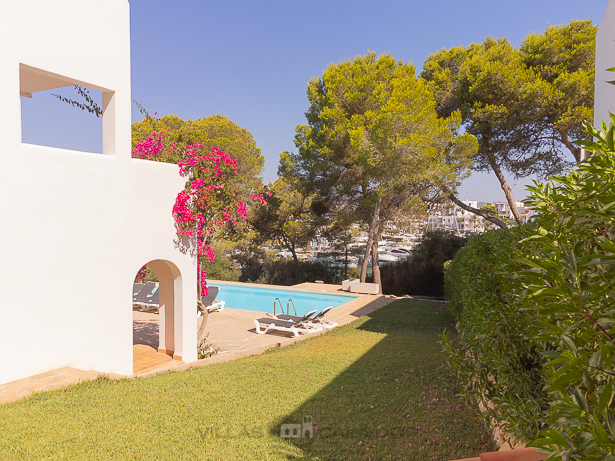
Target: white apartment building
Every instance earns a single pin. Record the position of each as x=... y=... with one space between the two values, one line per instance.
x=456 y=219
x=504 y=210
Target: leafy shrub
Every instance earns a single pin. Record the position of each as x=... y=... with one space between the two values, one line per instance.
x=474 y=277
x=569 y=293
x=206 y=349
x=495 y=354
x=221 y=268
x=149 y=277
x=353 y=273
x=289 y=272
x=553 y=325
x=423 y=272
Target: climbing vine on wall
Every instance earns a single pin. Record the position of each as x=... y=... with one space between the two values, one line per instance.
x=210 y=199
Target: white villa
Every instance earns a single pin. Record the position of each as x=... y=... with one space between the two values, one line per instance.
x=75 y=227
x=68 y=217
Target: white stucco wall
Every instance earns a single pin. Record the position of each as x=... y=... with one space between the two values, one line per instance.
x=75 y=227
x=604 y=95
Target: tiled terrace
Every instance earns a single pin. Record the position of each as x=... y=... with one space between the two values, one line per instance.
x=231 y=330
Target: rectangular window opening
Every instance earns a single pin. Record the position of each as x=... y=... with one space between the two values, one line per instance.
x=60 y=112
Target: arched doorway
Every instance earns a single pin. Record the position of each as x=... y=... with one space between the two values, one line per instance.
x=155 y=306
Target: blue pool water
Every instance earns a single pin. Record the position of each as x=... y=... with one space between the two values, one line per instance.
x=255 y=298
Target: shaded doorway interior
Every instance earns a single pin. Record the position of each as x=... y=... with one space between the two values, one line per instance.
x=153 y=311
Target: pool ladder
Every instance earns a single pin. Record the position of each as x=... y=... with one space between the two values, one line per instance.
x=288 y=304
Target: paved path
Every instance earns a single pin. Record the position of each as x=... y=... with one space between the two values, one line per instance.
x=231 y=330
x=44 y=382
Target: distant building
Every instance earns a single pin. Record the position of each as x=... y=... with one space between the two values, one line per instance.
x=525 y=212
x=456 y=219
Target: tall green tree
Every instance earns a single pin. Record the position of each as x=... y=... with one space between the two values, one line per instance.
x=525 y=106
x=564 y=58
x=374 y=143
x=287 y=219
x=215 y=130
x=164 y=135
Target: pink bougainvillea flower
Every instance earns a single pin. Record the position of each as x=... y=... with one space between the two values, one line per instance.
x=209 y=199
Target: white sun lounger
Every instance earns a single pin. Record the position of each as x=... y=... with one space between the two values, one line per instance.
x=322 y=321
x=293 y=326
x=210 y=301
x=147 y=298
x=318 y=321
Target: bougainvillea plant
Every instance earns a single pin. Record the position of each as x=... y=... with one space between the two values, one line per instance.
x=211 y=197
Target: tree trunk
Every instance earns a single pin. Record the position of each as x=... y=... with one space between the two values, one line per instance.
x=199 y=266
x=370 y=239
x=476 y=211
x=505 y=187
x=577 y=152
x=375 y=265
x=200 y=334
x=346 y=263
x=291 y=247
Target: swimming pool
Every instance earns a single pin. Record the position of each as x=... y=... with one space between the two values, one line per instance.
x=255 y=298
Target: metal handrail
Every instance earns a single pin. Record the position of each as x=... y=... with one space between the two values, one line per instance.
x=290 y=301
x=281 y=308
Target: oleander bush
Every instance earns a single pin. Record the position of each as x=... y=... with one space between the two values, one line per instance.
x=554 y=323
x=569 y=288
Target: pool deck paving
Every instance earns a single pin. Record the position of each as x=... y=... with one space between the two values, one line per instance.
x=232 y=331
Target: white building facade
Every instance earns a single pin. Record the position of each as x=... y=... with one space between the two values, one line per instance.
x=75 y=226
x=604 y=93
x=456 y=219
x=504 y=211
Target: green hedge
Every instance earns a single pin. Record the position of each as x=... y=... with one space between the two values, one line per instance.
x=422 y=273
x=496 y=355
x=290 y=272
x=475 y=277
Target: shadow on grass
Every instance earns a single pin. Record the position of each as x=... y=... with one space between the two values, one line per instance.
x=397 y=401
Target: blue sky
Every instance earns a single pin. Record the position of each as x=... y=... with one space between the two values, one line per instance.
x=251 y=60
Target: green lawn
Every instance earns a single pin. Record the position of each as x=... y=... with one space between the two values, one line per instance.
x=376 y=389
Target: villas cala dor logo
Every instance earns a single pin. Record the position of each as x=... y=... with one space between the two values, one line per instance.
x=298 y=431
